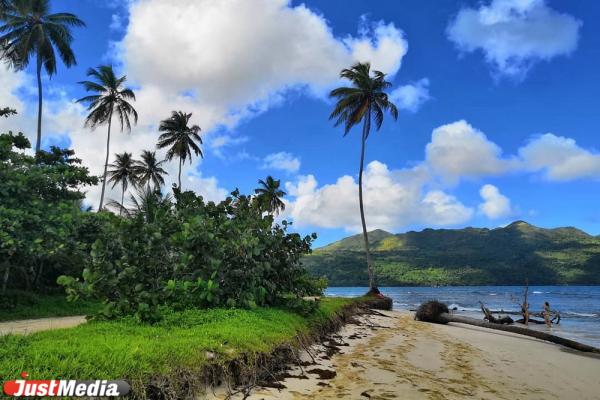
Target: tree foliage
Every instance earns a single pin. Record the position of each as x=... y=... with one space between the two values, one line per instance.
x=191 y=253
x=43 y=232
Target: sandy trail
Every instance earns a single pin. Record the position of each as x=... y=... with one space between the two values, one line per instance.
x=27 y=326
x=398 y=358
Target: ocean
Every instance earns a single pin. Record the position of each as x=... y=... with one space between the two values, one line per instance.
x=579 y=306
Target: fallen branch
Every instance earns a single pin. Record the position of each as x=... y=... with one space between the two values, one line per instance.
x=437 y=312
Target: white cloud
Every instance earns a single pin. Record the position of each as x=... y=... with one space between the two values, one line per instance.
x=560 y=158
x=412 y=96
x=458 y=150
x=393 y=198
x=282 y=161
x=236 y=66
x=514 y=34
x=495 y=205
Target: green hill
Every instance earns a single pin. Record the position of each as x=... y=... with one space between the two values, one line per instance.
x=470 y=256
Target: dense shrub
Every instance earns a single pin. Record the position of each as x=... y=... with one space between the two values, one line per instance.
x=43 y=231
x=193 y=254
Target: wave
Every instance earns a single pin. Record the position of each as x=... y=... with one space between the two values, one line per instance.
x=577 y=314
x=537 y=292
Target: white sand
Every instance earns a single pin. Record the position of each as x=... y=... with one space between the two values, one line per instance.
x=416 y=360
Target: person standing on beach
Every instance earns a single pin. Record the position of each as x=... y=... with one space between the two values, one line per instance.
x=547 y=313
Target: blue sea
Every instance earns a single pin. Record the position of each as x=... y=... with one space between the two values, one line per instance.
x=579 y=306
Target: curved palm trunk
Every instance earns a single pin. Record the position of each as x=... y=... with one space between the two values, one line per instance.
x=519 y=330
x=179 y=176
x=366 y=128
x=38 y=143
x=105 y=163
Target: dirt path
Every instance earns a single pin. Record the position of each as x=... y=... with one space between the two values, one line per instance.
x=26 y=326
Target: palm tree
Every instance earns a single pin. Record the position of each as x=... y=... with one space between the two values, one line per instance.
x=111 y=98
x=151 y=205
x=365 y=99
x=31 y=31
x=123 y=172
x=269 y=195
x=149 y=169
x=179 y=138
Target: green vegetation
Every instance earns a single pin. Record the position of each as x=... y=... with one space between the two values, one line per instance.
x=180 y=347
x=471 y=256
x=366 y=99
x=17 y=304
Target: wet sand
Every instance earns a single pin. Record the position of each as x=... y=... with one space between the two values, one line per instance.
x=395 y=357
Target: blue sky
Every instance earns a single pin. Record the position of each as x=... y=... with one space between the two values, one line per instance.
x=508 y=86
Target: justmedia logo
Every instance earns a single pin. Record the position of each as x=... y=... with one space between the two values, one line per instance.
x=65 y=388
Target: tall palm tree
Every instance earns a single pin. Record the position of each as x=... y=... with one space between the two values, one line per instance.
x=269 y=195
x=123 y=172
x=149 y=169
x=31 y=31
x=111 y=98
x=179 y=138
x=364 y=100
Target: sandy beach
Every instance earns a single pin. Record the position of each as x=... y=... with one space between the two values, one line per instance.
x=392 y=356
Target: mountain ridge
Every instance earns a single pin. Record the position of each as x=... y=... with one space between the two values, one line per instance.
x=470 y=256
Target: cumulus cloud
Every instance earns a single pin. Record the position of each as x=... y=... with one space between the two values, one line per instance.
x=495 y=205
x=282 y=161
x=412 y=96
x=560 y=158
x=238 y=66
x=514 y=34
x=458 y=150
x=392 y=198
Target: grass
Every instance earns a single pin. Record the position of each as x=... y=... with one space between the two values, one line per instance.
x=181 y=342
x=16 y=305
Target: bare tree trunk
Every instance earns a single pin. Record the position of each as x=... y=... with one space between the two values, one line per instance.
x=122 y=200
x=445 y=318
x=5 y=278
x=366 y=128
x=38 y=143
x=179 y=173
x=105 y=163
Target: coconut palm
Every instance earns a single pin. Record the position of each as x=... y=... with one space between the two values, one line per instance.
x=269 y=195
x=149 y=169
x=151 y=205
x=110 y=98
x=123 y=172
x=29 y=31
x=179 y=138
x=366 y=99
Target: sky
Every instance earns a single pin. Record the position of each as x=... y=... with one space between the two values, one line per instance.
x=498 y=104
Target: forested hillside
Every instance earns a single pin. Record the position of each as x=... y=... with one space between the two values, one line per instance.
x=470 y=256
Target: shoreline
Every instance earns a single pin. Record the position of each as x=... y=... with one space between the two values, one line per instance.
x=392 y=356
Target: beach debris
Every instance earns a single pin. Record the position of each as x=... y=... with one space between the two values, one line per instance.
x=490 y=318
x=322 y=373
x=437 y=312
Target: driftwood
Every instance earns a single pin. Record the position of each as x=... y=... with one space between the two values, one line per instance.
x=490 y=318
x=437 y=312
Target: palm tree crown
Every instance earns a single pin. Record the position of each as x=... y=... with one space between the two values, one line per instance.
x=30 y=30
x=269 y=195
x=110 y=98
x=149 y=169
x=180 y=138
x=366 y=99
x=123 y=172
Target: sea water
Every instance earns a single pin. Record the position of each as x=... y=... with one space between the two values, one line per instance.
x=579 y=306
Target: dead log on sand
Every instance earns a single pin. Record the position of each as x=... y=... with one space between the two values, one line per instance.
x=437 y=312
x=490 y=318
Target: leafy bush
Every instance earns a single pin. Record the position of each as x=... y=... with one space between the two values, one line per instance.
x=193 y=254
x=43 y=231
